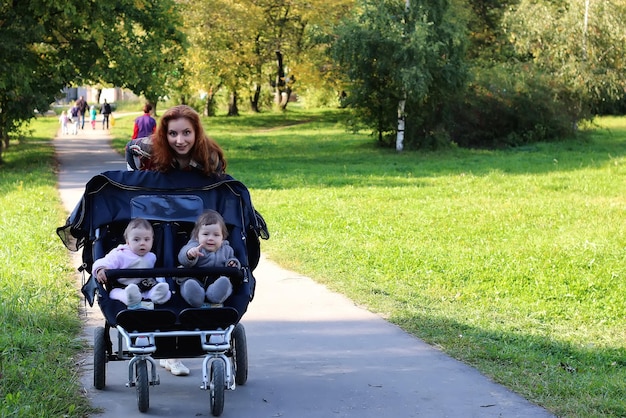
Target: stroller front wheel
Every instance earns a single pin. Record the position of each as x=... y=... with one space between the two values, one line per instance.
x=217 y=386
x=143 y=394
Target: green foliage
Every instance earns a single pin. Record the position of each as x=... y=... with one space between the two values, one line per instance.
x=508 y=106
x=389 y=54
x=580 y=43
x=50 y=45
x=142 y=44
x=234 y=44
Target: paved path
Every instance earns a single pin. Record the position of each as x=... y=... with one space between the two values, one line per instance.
x=312 y=353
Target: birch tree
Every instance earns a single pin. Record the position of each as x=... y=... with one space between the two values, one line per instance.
x=392 y=54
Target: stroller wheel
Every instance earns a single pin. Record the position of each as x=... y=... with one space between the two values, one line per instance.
x=217 y=386
x=99 y=358
x=143 y=394
x=240 y=354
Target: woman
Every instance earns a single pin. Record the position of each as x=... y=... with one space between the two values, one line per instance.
x=178 y=143
x=145 y=124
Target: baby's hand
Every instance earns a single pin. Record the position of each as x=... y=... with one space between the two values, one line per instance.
x=101 y=275
x=194 y=252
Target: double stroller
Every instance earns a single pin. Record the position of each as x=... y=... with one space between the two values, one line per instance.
x=171 y=203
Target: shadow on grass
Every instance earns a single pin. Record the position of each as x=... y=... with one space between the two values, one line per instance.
x=546 y=371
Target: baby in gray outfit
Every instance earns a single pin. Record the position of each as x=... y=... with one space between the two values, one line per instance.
x=207 y=247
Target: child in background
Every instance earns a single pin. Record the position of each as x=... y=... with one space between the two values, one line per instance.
x=207 y=247
x=93 y=114
x=64 y=120
x=139 y=237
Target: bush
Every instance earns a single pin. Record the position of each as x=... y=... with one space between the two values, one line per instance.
x=500 y=109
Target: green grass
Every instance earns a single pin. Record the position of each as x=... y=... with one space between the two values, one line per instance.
x=512 y=261
x=38 y=298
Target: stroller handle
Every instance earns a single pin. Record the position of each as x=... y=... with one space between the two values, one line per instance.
x=231 y=272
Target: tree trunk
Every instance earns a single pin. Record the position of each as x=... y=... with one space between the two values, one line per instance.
x=401 y=122
x=209 y=104
x=284 y=98
x=233 y=110
x=5 y=141
x=280 y=95
x=254 y=100
x=401 y=103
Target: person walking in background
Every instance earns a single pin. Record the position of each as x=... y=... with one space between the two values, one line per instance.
x=93 y=114
x=74 y=112
x=82 y=109
x=105 y=109
x=64 y=120
x=145 y=125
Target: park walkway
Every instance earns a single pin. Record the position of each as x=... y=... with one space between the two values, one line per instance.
x=312 y=352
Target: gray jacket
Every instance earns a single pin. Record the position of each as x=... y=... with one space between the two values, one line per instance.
x=219 y=258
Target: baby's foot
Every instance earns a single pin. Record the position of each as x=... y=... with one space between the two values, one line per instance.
x=192 y=292
x=133 y=295
x=219 y=290
x=160 y=293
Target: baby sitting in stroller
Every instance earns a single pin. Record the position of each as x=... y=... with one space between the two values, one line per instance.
x=135 y=253
x=207 y=247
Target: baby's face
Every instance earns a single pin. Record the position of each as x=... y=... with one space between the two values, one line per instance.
x=140 y=240
x=210 y=237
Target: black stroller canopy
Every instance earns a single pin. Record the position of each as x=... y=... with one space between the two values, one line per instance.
x=118 y=196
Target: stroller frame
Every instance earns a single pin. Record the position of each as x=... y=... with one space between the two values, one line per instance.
x=171 y=330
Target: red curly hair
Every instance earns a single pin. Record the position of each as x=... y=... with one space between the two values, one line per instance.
x=205 y=150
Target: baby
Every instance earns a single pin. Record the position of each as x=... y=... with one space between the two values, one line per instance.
x=135 y=253
x=207 y=248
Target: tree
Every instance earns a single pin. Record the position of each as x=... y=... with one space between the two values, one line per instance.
x=35 y=52
x=48 y=45
x=390 y=53
x=222 y=47
x=140 y=47
x=581 y=44
x=233 y=44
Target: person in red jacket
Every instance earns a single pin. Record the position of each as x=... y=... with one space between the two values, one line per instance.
x=145 y=125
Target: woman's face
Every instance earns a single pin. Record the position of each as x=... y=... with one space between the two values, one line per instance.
x=181 y=136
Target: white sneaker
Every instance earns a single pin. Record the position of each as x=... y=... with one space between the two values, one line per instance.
x=163 y=363
x=177 y=368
